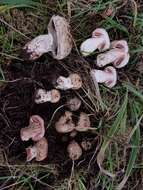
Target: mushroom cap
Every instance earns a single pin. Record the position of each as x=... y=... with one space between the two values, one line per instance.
x=31 y=152
x=86 y=145
x=40 y=96
x=35 y=130
x=60 y=29
x=122 y=61
x=74 y=150
x=76 y=81
x=74 y=103
x=120 y=44
x=65 y=123
x=83 y=123
x=42 y=149
x=102 y=33
x=113 y=79
x=55 y=96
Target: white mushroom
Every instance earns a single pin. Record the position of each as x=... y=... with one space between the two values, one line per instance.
x=38 y=151
x=74 y=82
x=108 y=76
x=65 y=123
x=42 y=96
x=118 y=55
x=58 y=41
x=99 y=40
x=74 y=150
x=35 y=130
x=74 y=103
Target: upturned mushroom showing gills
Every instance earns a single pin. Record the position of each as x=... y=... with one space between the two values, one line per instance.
x=43 y=96
x=108 y=76
x=99 y=40
x=74 y=104
x=58 y=41
x=74 y=150
x=38 y=151
x=35 y=130
x=83 y=123
x=74 y=82
x=65 y=123
x=118 y=55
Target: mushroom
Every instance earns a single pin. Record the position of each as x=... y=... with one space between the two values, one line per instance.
x=42 y=96
x=74 y=82
x=108 y=76
x=65 y=123
x=99 y=40
x=35 y=130
x=86 y=145
x=74 y=150
x=74 y=104
x=38 y=151
x=118 y=55
x=58 y=41
x=83 y=123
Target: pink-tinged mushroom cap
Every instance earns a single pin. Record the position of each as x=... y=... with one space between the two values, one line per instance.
x=99 y=40
x=108 y=76
x=65 y=123
x=118 y=55
x=74 y=150
x=38 y=151
x=35 y=130
x=58 y=41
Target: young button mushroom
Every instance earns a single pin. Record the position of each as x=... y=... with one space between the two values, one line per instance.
x=99 y=40
x=74 y=82
x=42 y=96
x=74 y=104
x=58 y=41
x=74 y=150
x=65 y=123
x=83 y=123
x=118 y=55
x=35 y=130
x=108 y=76
x=38 y=151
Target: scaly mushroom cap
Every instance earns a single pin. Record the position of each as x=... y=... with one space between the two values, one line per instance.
x=83 y=123
x=38 y=151
x=74 y=150
x=102 y=33
x=76 y=81
x=65 y=123
x=60 y=29
x=74 y=103
x=35 y=130
x=113 y=80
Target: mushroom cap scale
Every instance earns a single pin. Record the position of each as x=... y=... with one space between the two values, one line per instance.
x=74 y=150
x=35 y=130
x=60 y=29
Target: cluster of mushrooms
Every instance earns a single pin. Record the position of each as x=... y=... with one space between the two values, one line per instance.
x=58 y=42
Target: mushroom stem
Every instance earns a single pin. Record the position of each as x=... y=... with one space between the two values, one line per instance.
x=90 y=45
x=108 y=76
x=39 y=45
x=42 y=96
